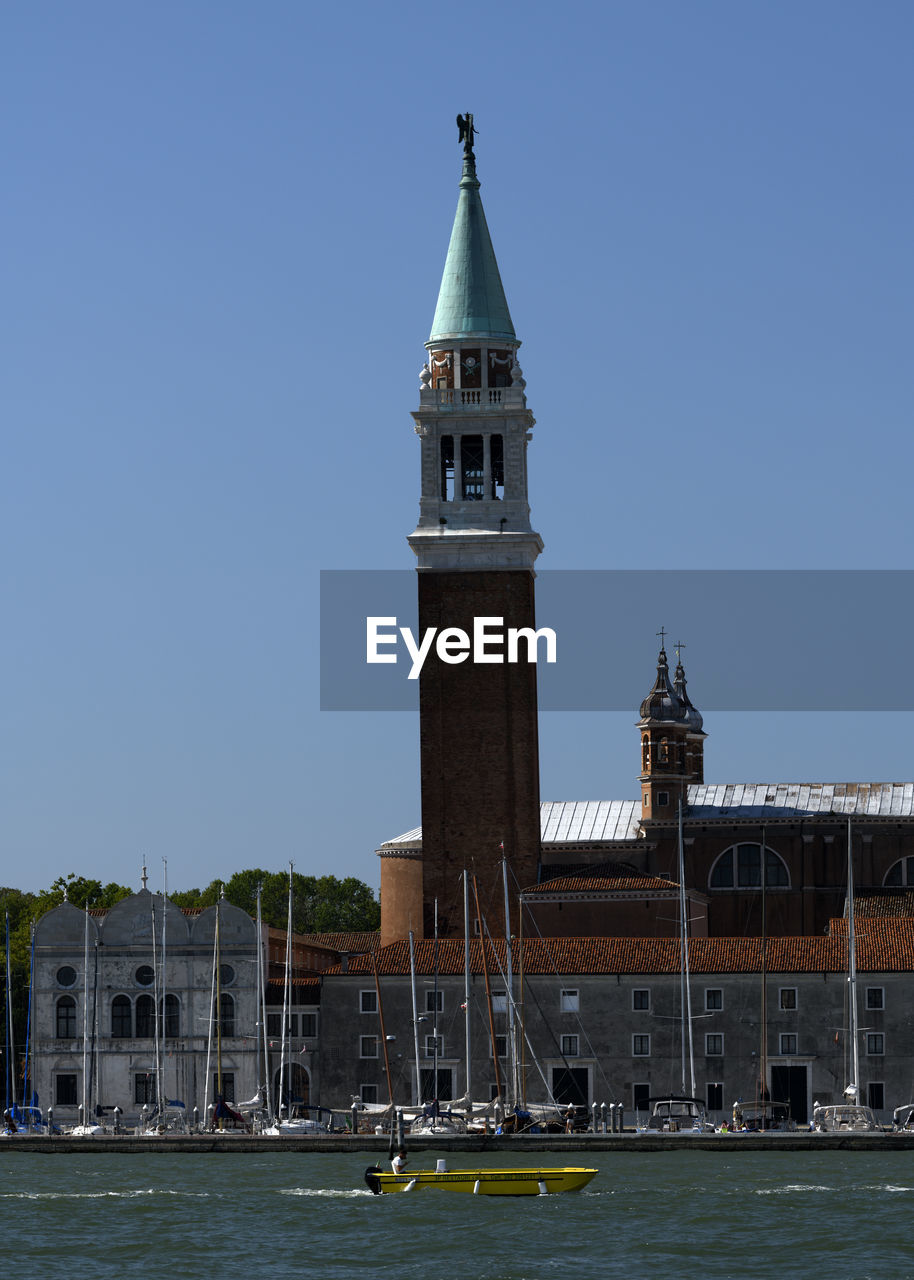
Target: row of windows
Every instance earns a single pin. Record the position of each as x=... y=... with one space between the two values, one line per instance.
x=787 y=998
x=434 y=1046
x=434 y=1001
x=138 y=1020
x=144 y=1088
x=569 y=1001
x=144 y=976
x=787 y=1045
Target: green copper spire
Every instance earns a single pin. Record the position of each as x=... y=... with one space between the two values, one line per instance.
x=471 y=301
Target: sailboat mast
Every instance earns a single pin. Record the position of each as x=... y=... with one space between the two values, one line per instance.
x=217 y=972
x=85 y=1089
x=466 y=983
x=8 y=1028
x=262 y=988
x=509 y=972
x=412 y=983
x=160 y=1084
x=685 y=992
x=485 y=975
x=852 y=966
x=377 y=987
x=763 y=1054
x=284 y=1041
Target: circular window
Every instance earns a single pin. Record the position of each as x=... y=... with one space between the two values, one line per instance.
x=226 y=975
x=145 y=976
x=66 y=976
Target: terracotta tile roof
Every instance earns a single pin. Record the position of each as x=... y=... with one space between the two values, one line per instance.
x=354 y=943
x=583 y=883
x=884 y=902
x=883 y=945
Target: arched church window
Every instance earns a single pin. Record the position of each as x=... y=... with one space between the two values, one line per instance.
x=66 y=1018
x=663 y=752
x=121 y=1017
x=900 y=873
x=645 y=752
x=740 y=867
x=145 y=1017
x=172 y=1016
x=227 y=1014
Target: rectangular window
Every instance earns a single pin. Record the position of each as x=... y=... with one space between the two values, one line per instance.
x=309 y=1024
x=434 y=1001
x=228 y=1085
x=875 y=1044
x=641 y=999
x=368 y=1046
x=368 y=1001
x=641 y=1046
x=65 y=1091
x=499 y=1002
x=714 y=999
x=715 y=1096
x=875 y=1095
x=714 y=1045
x=501 y=1046
x=274 y=1024
x=144 y=1088
x=66 y=1018
x=787 y=998
x=875 y=998
x=569 y=1046
x=493 y=1092
x=788 y=1043
x=433 y=1045
x=368 y=1093
x=568 y=1002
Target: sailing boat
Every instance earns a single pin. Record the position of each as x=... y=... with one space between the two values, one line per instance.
x=850 y=1114
x=290 y=1120
x=682 y=1112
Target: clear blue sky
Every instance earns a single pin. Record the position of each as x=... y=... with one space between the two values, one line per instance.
x=224 y=227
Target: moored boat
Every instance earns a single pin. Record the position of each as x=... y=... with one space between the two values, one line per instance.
x=844 y=1117
x=482 y=1182
x=677 y=1113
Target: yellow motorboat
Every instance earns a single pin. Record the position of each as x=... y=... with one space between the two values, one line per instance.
x=482 y=1182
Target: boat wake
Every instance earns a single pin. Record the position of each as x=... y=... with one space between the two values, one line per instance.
x=103 y=1195
x=328 y=1193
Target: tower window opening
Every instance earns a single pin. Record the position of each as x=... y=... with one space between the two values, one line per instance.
x=447 y=468
x=472 y=468
x=497 y=453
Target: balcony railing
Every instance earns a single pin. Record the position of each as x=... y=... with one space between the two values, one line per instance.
x=474 y=398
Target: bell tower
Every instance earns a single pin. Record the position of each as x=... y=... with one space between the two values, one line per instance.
x=672 y=744
x=475 y=551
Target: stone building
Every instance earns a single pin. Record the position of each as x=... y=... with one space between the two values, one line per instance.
x=603 y=1020
x=101 y=977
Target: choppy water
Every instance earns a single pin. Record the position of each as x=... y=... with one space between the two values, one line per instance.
x=830 y=1215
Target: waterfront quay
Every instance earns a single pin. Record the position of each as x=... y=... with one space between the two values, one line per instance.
x=581 y=1146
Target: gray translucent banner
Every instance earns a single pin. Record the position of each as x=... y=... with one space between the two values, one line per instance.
x=753 y=640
